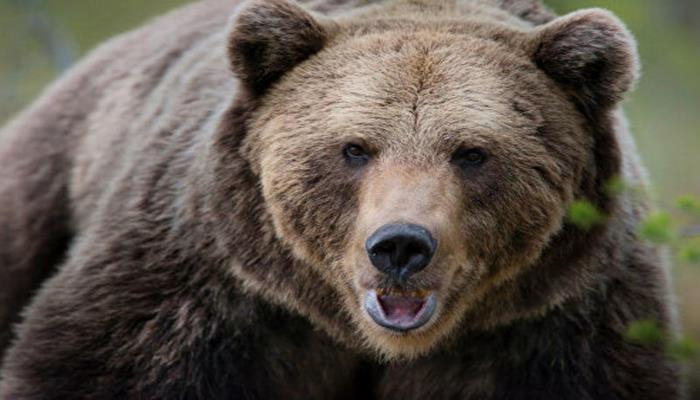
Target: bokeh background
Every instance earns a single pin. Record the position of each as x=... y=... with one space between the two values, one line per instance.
x=42 y=38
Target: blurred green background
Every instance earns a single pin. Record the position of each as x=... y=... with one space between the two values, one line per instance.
x=41 y=38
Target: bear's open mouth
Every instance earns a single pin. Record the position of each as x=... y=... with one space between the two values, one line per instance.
x=398 y=310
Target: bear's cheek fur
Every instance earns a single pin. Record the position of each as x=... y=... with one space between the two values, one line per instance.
x=312 y=199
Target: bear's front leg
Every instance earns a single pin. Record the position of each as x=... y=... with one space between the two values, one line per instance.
x=114 y=329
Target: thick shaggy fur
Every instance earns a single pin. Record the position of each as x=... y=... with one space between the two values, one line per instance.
x=185 y=191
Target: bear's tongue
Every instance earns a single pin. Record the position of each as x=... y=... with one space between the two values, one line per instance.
x=401 y=309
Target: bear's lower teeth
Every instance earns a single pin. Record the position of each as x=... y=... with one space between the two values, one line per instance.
x=402 y=293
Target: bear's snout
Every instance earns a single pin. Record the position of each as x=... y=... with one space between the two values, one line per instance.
x=400 y=250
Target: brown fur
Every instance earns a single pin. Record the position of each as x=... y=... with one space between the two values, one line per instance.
x=215 y=233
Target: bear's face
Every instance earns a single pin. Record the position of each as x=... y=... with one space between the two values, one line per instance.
x=417 y=169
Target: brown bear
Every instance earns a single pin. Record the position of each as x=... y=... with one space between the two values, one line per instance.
x=371 y=204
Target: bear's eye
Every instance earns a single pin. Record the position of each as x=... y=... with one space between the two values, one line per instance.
x=355 y=154
x=468 y=158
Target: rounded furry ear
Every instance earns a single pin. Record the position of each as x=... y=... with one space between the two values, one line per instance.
x=270 y=37
x=591 y=53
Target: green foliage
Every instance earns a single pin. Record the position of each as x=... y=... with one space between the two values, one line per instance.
x=684 y=349
x=657 y=228
x=584 y=214
x=690 y=251
x=615 y=186
x=645 y=332
x=689 y=204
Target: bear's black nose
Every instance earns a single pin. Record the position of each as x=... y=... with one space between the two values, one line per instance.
x=400 y=250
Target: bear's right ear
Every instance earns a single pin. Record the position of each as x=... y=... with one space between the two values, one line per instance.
x=269 y=38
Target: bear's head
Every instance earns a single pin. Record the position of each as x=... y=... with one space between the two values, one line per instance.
x=418 y=158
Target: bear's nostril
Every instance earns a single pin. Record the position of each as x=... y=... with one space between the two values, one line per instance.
x=412 y=252
x=387 y=247
x=400 y=250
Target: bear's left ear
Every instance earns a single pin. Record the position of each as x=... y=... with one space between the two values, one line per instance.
x=591 y=54
x=269 y=38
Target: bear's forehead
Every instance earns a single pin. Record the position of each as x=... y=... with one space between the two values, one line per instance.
x=421 y=83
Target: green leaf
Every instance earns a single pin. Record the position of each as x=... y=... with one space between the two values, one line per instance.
x=657 y=228
x=644 y=332
x=684 y=349
x=690 y=251
x=584 y=214
x=615 y=186
x=689 y=204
